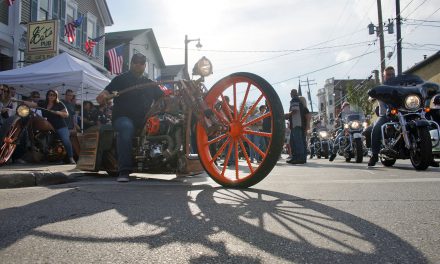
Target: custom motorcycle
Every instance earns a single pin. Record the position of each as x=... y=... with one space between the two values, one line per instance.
x=349 y=141
x=407 y=133
x=193 y=119
x=320 y=143
x=35 y=136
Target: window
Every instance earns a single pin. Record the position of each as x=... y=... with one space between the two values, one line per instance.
x=43 y=12
x=91 y=30
x=71 y=15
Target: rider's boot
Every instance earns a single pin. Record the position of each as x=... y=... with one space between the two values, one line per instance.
x=332 y=157
x=374 y=158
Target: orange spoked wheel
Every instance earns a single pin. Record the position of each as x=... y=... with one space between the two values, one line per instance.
x=10 y=141
x=245 y=152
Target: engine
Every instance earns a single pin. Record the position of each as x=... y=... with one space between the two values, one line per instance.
x=162 y=136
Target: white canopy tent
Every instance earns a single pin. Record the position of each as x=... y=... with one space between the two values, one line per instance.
x=59 y=73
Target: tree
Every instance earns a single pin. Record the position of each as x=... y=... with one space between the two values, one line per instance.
x=358 y=95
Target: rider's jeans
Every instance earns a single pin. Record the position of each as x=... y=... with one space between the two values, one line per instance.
x=124 y=142
x=337 y=141
x=65 y=138
x=376 y=134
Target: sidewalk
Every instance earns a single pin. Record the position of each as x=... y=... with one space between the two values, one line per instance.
x=17 y=175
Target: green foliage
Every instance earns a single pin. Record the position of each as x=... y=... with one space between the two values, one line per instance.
x=357 y=94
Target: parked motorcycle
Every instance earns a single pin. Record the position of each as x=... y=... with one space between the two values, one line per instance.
x=219 y=130
x=320 y=143
x=407 y=135
x=37 y=137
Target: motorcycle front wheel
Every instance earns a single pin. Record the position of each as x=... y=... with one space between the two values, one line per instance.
x=10 y=141
x=421 y=152
x=234 y=100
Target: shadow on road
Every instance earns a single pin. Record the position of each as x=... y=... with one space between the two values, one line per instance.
x=290 y=228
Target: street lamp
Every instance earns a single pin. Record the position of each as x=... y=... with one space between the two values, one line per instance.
x=198 y=45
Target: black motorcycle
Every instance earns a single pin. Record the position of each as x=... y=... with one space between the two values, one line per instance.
x=406 y=134
x=320 y=143
x=349 y=140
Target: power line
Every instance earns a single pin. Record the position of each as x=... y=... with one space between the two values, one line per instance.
x=277 y=51
x=321 y=69
x=422 y=20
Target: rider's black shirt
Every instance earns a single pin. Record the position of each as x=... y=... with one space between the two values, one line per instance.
x=136 y=103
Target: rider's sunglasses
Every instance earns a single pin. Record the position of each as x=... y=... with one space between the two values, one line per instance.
x=52 y=94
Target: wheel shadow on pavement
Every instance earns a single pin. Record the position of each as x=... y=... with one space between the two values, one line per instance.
x=264 y=225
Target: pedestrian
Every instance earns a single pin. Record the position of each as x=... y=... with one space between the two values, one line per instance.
x=68 y=101
x=287 y=140
x=35 y=97
x=296 y=129
x=258 y=141
x=128 y=113
x=90 y=116
x=306 y=116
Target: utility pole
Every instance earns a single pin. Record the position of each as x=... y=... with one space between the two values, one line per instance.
x=381 y=37
x=308 y=92
x=399 y=39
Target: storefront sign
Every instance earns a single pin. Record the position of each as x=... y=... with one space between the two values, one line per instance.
x=42 y=38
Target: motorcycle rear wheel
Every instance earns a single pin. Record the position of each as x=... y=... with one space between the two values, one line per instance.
x=421 y=156
x=247 y=91
x=10 y=141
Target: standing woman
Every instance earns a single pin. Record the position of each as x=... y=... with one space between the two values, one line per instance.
x=56 y=117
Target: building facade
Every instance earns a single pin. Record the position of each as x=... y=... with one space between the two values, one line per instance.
x=138 y=41
x=428 y=69
x=14 y=20
x=331 y=97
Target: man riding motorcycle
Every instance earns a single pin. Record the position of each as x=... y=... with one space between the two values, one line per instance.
x=129 y=110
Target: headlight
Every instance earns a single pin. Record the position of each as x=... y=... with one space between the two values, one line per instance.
x=323 y=134
x=23 y=110
x=203 y=67
x=346 y=126
x=412 y=102
x=355 y=125
x=365 y=124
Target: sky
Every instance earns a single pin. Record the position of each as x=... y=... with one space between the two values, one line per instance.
x=284 y=41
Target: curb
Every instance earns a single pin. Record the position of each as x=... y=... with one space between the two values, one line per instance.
x=20 y=179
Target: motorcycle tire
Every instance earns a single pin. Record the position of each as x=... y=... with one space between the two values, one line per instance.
x=421 y=156
x=358 y=150
x=247 y=91
x=10 y=141
x=325 y=151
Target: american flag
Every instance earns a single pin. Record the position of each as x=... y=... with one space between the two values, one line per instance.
x=116 y=59
x=69 y=29
x=9 y=2
x=165 y=90
x=92 y=43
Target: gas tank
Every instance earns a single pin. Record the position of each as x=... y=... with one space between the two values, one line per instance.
x=41 y=124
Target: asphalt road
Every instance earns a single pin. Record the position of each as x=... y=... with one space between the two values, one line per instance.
x=321 y=212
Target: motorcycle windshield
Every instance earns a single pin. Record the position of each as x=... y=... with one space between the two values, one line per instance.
x=347 y=117
x=394 y=91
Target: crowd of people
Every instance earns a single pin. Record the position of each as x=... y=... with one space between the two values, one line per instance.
x=63 y=114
